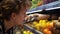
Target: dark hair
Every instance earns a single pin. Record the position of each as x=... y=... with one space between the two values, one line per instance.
x=7 y=7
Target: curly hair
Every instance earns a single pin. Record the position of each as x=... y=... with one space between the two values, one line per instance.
x=7 y=7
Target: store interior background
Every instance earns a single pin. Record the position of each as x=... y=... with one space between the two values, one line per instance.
x=43 y=4
x=33 y=27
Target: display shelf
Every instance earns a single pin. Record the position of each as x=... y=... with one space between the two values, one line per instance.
x=32 y=29
x=55 y=10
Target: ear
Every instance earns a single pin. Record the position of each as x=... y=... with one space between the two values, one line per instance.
x=13 y=15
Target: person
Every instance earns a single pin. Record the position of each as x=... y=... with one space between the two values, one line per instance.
x=13 y=13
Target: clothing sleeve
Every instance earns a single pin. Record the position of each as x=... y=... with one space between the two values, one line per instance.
x=10 y=31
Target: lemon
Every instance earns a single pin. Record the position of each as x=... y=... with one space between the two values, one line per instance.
x=37 y=26
x=24 y=32
x=34 y=23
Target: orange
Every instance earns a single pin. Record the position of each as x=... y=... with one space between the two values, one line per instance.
x=47 y=31
x=51 y=24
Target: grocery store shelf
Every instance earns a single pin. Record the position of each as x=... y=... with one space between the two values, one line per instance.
x=32 y=29
x=55 y=10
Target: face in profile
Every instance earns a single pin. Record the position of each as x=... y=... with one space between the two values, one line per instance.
x=19 y=18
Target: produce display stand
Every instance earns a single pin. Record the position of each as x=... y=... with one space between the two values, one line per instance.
x=49 y=11
x=32 y=29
